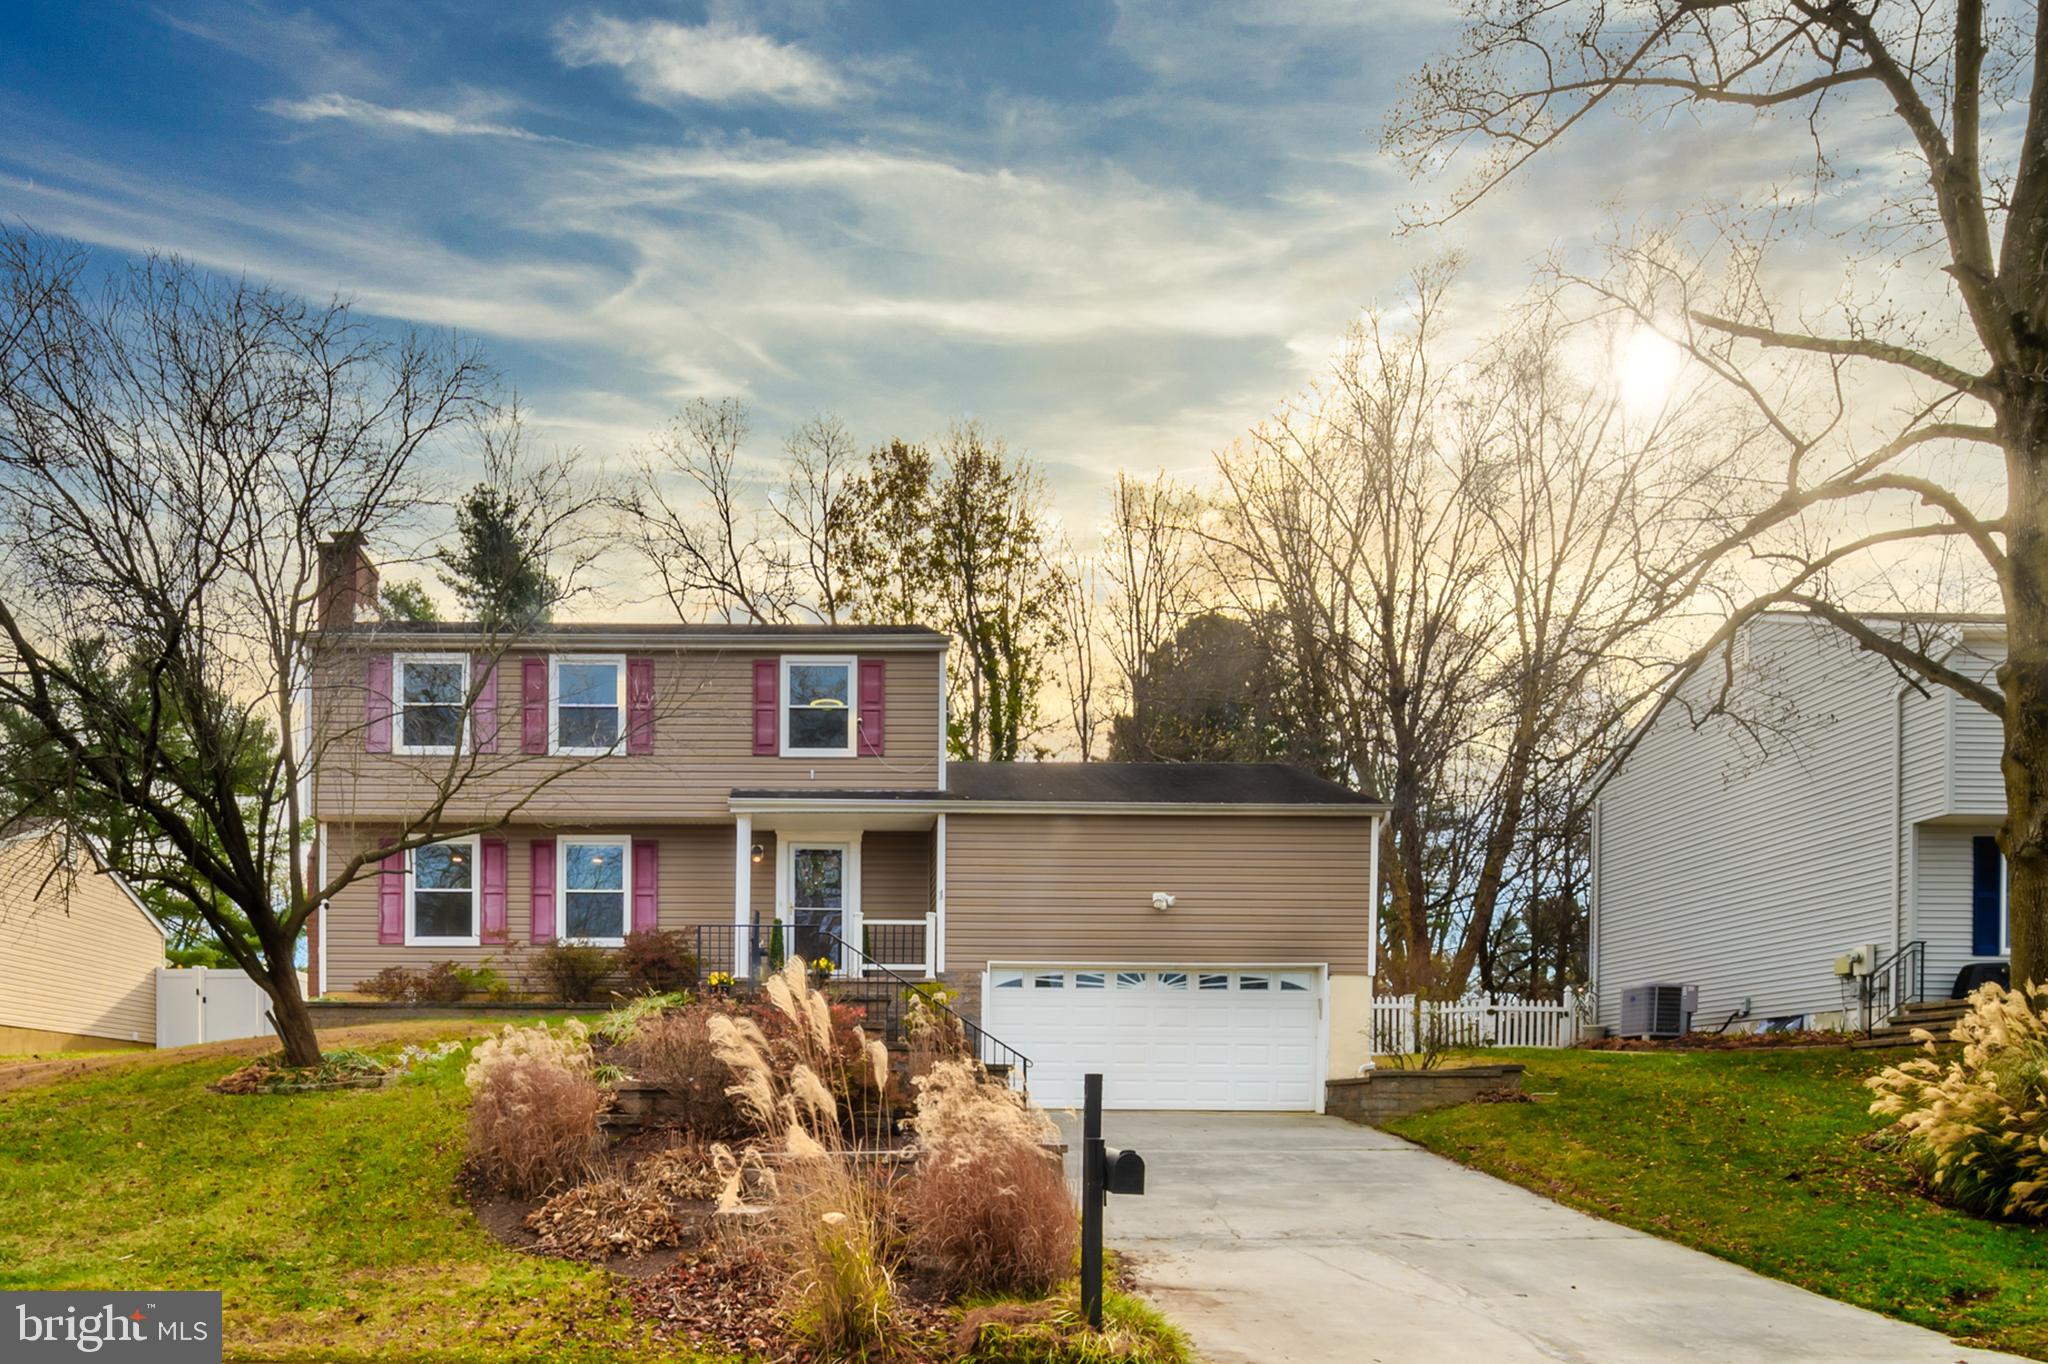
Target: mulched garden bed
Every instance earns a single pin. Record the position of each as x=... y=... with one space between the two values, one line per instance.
x=1713 y=1041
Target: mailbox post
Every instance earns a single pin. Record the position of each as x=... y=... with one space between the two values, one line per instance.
x=1101 y=1176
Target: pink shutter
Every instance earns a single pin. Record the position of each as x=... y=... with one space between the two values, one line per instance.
x=767 y=726
x=391 y=899
x=377 y=705
x=543 y=890
x=493 y=929
x=646 y=885
x=483 y=716
x=873 y=672
x=533 y=705
x=639 y=705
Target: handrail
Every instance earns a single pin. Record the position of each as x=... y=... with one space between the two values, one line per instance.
x=1896 y=981
x=974 y=1032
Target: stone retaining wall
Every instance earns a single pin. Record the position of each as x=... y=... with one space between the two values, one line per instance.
x=1379 y=1096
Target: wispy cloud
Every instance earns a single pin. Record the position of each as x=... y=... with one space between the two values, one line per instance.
x=714 y=63
x=440 y=122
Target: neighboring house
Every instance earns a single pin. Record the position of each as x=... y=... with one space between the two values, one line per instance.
x=1201 y=933
x=1840 y=808
x=78 y=952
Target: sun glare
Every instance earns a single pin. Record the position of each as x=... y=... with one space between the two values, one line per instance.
x=1646 y=366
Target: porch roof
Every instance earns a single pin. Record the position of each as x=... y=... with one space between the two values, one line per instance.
x=1275 y=787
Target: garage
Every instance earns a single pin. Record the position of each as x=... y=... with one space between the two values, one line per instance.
x=1184 y=1036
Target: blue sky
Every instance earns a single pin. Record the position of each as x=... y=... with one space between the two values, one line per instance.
x=1116 y=233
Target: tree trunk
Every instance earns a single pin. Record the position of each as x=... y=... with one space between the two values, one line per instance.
x=2024 y=679
x=288 y=1011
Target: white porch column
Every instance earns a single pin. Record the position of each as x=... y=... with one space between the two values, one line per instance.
x=742 y=891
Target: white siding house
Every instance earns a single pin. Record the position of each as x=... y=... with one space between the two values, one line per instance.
x=1838 y=808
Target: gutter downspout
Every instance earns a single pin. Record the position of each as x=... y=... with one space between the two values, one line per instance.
x=1899 y=848
x=1372 y=935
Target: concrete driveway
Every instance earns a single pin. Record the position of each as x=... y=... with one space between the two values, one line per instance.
x=1290 y=1237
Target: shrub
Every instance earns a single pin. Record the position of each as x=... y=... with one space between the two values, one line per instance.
x=674 y=1051
x=988 y=1210
x=534 y=1108
x=658 y=962
x=442 y=983
x=997 y=1220
x=485 y=980
x=572 y=970
x=618 y=1026
x=1978 y=1126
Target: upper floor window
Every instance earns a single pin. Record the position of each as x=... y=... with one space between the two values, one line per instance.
x=594 y=879
x=586 y=704
x=441 y=895
x=431 y=690
x=817 y=707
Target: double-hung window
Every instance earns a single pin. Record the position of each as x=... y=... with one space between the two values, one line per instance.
x=431 y=691
x=586 y=704
x=440 y=908
x=595 y=874
x=817 y=707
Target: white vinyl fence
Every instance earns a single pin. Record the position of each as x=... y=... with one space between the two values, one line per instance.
x=194 y=1004
x=1475 y=1021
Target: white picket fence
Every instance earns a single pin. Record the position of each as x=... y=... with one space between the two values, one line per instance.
x=1475 y=1021
x=194 y=1004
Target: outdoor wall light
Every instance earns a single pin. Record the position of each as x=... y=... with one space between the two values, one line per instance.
x=1161 y=901
x=760 y=854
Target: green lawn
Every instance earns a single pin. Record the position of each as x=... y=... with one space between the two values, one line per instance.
x=1754 y=1156
x=329 y=1221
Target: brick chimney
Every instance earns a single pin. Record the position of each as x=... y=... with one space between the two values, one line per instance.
x=347 y=583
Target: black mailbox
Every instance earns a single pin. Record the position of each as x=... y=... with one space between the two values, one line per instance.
x=1124 y=1173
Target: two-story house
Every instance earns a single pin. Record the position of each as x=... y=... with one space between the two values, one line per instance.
x=1201 y=933
x=1834 y=810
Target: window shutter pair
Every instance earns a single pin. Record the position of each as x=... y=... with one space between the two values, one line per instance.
x=871 y=685
x=490 y=896
x=646 y=889
x=483 y=718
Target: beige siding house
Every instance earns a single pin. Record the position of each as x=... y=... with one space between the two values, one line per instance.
x=1202 y=933
x=78 y=953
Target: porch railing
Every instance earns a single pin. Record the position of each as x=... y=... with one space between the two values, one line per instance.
x=1895 y=982
x=867 y=978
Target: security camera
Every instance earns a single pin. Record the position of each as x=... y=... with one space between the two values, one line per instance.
x=1161 y=901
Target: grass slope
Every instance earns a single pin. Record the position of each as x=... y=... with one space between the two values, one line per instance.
x=329 y=1221
x=1755 y=1157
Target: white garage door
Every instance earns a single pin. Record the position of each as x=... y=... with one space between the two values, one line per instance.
x=1163 y=1037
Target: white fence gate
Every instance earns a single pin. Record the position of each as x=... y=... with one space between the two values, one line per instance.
x=194 y=1004
x=1475 y=1021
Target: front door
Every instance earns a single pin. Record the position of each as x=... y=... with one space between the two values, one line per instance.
x=820 y=907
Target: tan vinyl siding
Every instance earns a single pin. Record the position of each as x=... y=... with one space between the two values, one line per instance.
x=895 y=875
x=76 y=955
x=703 y=748
x=696 y=888
x=1078 y=888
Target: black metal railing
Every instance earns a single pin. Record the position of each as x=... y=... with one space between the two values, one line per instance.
x=864 y=973
x=1893 y=983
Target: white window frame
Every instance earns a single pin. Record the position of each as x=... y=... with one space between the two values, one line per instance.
x=555 y=745
x=2004 y=911
x=562 y=845
x=783 y=707
x=476 y=898
x=398 y=743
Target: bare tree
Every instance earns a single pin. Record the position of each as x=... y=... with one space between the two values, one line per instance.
x=1152 y=567
x=1892 y=404
x=172 y=448
x=814 y=511
x=695 y=522
x=1080 y=650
